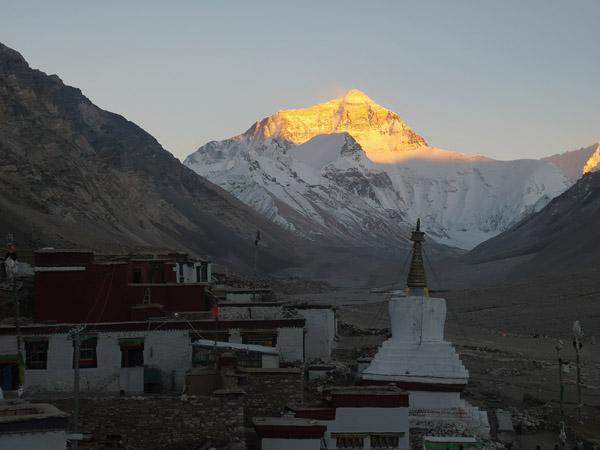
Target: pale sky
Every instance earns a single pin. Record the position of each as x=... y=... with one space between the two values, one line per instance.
x=505 y=79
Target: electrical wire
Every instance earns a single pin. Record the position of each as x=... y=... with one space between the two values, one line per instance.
x=379 y=312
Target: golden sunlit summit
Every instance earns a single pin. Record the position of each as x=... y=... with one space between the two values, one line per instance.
x=380 y=132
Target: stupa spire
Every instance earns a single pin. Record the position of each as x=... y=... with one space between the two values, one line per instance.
x=416 y=283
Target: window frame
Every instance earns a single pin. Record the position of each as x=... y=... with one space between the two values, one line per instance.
x=349 y=440
x=385 y=440
x=39 y=359
x=265 y=339
x=87 y=346
x=131 y=345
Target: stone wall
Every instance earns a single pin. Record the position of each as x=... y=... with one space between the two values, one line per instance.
x=269 y=390
x=147 y=422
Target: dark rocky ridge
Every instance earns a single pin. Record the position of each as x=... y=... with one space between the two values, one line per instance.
x=564 y=236
x=73 y=175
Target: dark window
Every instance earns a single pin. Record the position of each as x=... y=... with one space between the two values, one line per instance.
x=203 y=357
x=385 y=440
x=137 y=276
x=87 y=353
x=349 y=441
x=249 y=359
x=266 y=340
x=202 y=273
x=132 y=353
x=9 y=372
x=36 y=352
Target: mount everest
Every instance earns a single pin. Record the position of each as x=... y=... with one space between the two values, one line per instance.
x=350 y=171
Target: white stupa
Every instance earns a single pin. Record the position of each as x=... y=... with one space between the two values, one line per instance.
x=419 y=360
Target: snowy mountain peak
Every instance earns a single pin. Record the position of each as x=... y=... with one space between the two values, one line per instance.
x=379 y=131
x=593 y=164
x=350 y=172
x=356 y=96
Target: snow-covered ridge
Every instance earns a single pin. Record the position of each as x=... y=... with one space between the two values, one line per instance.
x=575 y=163
x=308 y=173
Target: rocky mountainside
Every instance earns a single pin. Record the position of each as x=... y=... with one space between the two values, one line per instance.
x=562 y=237
x=576 y=163
x=73 y=175
x=349 y=171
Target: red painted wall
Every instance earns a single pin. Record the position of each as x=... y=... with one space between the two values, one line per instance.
x=102 y=293
x=92 y=295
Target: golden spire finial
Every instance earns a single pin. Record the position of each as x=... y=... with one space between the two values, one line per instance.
x=417 y=281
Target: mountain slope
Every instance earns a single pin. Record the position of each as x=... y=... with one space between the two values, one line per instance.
x=372 y=182
x=562 y=237
x=74 y=175
x=576 y=163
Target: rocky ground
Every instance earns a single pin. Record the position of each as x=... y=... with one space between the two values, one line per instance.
x=506 y=337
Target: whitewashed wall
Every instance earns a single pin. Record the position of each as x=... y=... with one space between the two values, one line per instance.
x=189 y=272
x=320 y=332
x=51 y=440
x=168 y=350
x=369 y=420
x=172 y=353
x=434 y=400
x=290 y=342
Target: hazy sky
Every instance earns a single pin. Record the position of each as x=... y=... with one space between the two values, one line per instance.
x=506 y=79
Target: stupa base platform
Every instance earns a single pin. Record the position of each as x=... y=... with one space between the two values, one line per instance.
x=463 y=416
x=411 y=384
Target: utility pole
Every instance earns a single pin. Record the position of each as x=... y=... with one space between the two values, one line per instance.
x=12 y=270
x=18 y=331
x=578 y=343
x=75 y=334
x=256 y=241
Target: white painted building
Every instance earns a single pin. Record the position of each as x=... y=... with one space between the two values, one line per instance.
x=112 y=361
x=371 y=417
x=26 y=426
x=131 y=357
x=193 y=271
x=321 y=330
x=289 y=433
